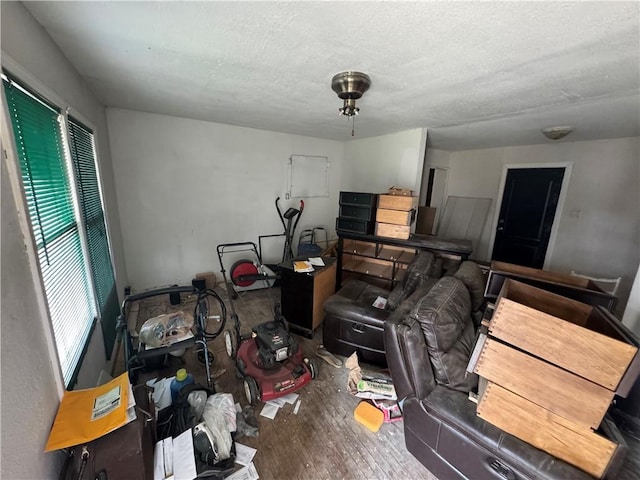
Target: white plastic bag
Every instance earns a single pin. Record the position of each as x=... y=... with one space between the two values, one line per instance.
x=166 y=328
x=220 y=418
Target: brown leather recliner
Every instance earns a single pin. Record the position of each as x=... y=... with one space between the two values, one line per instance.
x=428 y=340
x=351 y=322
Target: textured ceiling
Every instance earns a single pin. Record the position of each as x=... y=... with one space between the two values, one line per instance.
x=477 y=74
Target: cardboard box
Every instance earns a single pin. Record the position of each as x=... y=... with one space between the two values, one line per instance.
x=393 y=231
x=209 y=278
x=405 y=192
x=426 y=220
x=397 y=202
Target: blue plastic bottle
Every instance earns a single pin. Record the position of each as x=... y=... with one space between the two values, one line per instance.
x=182 y=378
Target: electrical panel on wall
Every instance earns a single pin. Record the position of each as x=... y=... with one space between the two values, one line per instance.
x=308 y=176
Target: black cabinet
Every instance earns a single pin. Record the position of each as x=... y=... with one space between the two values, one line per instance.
x=357 y=212
x=303 y=294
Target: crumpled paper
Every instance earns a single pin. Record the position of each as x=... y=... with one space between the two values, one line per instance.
x=359 y=385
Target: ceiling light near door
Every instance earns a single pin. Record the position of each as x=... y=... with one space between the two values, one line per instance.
x=556 y=133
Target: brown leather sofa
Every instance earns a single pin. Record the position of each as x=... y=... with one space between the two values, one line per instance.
x=428 y=340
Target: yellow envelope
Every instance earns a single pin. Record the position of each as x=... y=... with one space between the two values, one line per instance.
x=85 y=415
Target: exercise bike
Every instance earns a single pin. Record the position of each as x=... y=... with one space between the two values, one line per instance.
x=269 y=360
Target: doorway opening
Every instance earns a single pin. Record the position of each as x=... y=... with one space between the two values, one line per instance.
x=525 y=225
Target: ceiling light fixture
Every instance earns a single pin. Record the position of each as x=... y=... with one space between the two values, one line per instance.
x=556 y=133
x=350 y=86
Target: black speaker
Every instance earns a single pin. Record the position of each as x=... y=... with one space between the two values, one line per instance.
x=199 y=284
x=174 y=298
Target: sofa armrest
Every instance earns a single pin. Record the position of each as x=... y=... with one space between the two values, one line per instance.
x=406 y=350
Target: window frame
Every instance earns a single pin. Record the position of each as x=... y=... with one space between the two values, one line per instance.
x=26 y=81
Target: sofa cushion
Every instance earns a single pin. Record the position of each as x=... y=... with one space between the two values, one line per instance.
x=445 y=319
x=470 y=274
x=354 y=301
x=418 y=270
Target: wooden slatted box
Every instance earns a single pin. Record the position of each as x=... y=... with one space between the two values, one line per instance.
x=553 y=366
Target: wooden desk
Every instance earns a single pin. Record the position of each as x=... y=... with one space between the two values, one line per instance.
x=303 y=294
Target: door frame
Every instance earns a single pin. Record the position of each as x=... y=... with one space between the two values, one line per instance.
x=568 y=167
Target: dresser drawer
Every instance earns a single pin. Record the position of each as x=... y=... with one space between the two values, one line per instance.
x=359 y=198
x=354 y=225
x=354 y=211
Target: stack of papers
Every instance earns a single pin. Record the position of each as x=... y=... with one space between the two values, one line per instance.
x=302 y=266
x=271 y=407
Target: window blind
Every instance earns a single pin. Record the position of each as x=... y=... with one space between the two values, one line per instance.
x=82 y=148
x=45 y=176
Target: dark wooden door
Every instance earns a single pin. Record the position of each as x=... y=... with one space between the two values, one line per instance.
x=526 y=215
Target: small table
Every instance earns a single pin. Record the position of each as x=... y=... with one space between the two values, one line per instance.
x=303 y=295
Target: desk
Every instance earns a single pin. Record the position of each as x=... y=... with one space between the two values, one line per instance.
x=303 y=294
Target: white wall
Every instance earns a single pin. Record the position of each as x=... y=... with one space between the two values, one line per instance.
x=377 y=163
x=600 y=224
x=31 y=377
x=185 y=186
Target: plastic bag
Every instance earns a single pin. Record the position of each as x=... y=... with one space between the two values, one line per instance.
x=166 y=329
x=220 y=418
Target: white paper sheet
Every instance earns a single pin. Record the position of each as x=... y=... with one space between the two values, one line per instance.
x=163 y=459
x=161 y=392
x=317 y=261
x=174 y=458
x=244 y=454
x=380 y=303
x=269 y=411
x=278 y=402
x=184 y=462
x=245 y=473
x=290 y=398
x=296 y=408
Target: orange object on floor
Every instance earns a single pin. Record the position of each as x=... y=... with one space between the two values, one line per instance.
x=369 y=416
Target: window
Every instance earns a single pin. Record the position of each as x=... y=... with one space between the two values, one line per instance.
x=82 y=150
x=70 y=276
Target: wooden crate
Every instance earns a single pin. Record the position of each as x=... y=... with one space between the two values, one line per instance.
x=393 y=231
x=558 y=391
x=554 y=434
x=397 y=202
x=571 y=335
x=396 y=217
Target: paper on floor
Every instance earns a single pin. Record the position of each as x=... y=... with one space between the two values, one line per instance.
x=296 y=408
x=244 y=454
x=269 y=411
x=278 y=402
x=245 y=473
x=290 y=398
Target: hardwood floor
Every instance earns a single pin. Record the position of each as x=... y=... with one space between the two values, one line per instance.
x=323 y=440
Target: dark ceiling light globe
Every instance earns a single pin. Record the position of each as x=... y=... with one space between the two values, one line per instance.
x=350 y=86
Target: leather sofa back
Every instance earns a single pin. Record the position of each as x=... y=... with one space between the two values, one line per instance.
x=444 y=316
x=420 y=268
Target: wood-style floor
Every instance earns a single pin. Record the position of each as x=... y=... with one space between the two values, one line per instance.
x=323 y=440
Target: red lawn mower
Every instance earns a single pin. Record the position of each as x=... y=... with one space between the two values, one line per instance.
x=269 y=360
